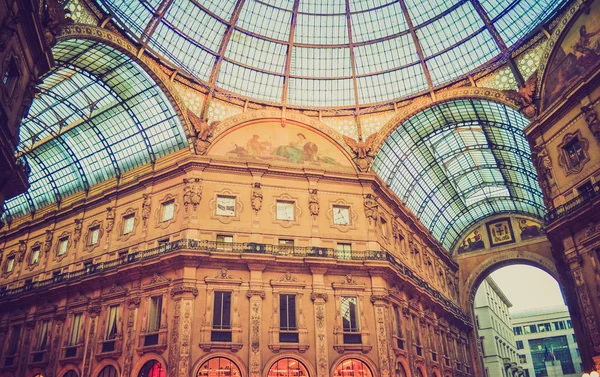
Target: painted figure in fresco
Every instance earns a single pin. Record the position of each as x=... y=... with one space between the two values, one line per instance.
x=527 y=230
x=256 y=147
x=587 y=55
x=471 y=242
x=298 y=151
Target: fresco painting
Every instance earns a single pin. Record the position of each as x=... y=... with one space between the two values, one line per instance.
x=472 y=242
x=578 y=52
x=529 y=229
x=271 y=142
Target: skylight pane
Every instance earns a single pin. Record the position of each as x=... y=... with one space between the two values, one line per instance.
x=321 y=62
x=385 y=55
x=321 y=30
x=421 y=11
x=322 y=7
x=262 y=19
x=222 y=8
x=387 y=86
x=258 y=53
x=250 y=82
x=134 y=14
x=362 y=5
x=309 y=92
x=524 y=17
x=196 y=25
x=378 y=23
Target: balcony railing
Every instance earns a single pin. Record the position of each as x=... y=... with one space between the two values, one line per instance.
x=91 y=269
x=574 y=204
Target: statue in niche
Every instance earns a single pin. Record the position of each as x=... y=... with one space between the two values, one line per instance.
x=192 y=193
x=77 y=232
x=525 y=96
x=145 y=209
x=363 y=150
x=371 y=208
x=22 y=250
x=543 y=164
x=110 y=218
x=313 y=202
x=592 y=121
x=204 y=132
x=257 y=197
x=48 y=241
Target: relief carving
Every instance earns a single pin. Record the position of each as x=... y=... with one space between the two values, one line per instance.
x=192 y=193
x=48 y=241
x=321 y=337
x=525 y=96
x=146 y=209
x=371 y=208
x=573 y=153
x=255 y=325
x=592 y=121
x=204 y=132
x=363 y=150
x=77 y=231
x=110 y=219
x=22 y=250
x=8 y=29
x=257 y=197
x=186 y=329
x=543 y=165
x=313 y=202
x=382 y=342
x=133 y=303
x=174 y=341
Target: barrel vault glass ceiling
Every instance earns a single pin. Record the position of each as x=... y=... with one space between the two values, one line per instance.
x=328 y=53
x=98 y=115
x=459 y=162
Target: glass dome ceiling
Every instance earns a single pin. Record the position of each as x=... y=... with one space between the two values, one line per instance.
x=333 y=53
x=459 y=162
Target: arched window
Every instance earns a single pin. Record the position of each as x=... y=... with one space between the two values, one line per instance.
x=152 y=368
x=420 y=373
x=219 y=367
x=108 y=371
x=400 y=371
x=288 y=367
x=352 y=368
x=71 y=373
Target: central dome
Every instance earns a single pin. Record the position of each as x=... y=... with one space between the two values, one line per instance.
x=333 y=53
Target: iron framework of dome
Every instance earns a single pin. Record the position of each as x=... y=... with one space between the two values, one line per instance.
x=334 y=53
x=459 y=162
x=98 y=115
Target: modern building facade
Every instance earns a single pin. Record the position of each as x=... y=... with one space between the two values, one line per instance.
x=545 y=336
x=288 y=188
x=494 y=328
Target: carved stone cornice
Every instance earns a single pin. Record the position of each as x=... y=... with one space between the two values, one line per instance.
x=114 y=292
x=157 y=281
x=180 y=290
x=288 y=280
x=60 y=315
x=133 y=302
x=95 y=308
x=319 y=295
x=255 y=292
x=380 y=298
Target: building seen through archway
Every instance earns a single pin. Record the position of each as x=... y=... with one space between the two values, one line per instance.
x=296 y=188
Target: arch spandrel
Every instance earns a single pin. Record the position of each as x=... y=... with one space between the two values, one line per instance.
x=266 y=139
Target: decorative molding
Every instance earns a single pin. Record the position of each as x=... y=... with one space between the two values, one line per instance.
x=114 y=292
x=257 y=197
x=351 y=213
x=21 y=251
x=204 y=132
x=543 y=165
x=288 y=281
x=363 y=151
x=48 y=241
x=223 y=277
x=157 y=281
x=255 y=292
x=182 y=290
x=158 y=212
x=592 y=121
x=77 y=230
x=96 y=223
x=120 y=226
x=110 y=218
x=63 y=236
x=313 y=202
x=146 y=209
x=297 y=210
x=371 y=208
x=565 y=161
x=314 y=296
x=239 y=207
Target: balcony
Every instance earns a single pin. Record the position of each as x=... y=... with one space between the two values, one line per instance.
x=574 y=204
x=53 y=278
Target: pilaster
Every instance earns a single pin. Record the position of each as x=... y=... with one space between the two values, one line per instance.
x=183 y=294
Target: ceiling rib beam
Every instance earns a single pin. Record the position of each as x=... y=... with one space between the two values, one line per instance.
x=288 y=57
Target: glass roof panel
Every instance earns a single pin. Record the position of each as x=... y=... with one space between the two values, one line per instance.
x=451 y=33
x=308 y=92
x=106 y=117
x=452 y=166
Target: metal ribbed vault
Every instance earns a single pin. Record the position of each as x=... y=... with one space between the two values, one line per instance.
x=315 y=53
x=99 y=114
x=459 y=162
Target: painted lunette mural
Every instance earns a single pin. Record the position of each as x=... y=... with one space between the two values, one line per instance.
x=578 y=53
x=283 y=143
x=499 y=232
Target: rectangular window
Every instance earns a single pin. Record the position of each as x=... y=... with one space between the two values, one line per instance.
x=43 y=336
x=35 y=255
x=384 y=227
x=154 y=313
x=542 y=327
x=113 y=323
x=168 y=210
x=569 y=324
x=128 y=222
x=350 y=325
x=75 y=329
x=63 y=245
x=398 y=328
x=94 y=236
x=481 y=339
x=10 y=264
x=286 y=242
x=224 y=242
x=518 y=330
x=523 y=359
x=519 y=344
x=13 y=343
x=225 y=206
x=221 y=317
x=341 y=215
x=288 y=330
x=344 y=251
x=532 y=329
x=285 y=210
